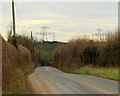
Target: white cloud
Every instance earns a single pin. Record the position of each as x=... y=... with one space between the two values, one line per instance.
x=52 y=15
x=35 y=22
x=68 y=19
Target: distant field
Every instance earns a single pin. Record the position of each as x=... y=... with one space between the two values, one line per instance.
x=109 y=73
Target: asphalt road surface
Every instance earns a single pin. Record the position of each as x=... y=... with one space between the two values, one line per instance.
x=49 y=80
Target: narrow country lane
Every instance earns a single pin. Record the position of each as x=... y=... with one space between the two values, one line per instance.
x=49 y=80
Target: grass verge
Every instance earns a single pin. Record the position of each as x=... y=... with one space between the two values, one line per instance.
x=21 y=88
x=109 y=73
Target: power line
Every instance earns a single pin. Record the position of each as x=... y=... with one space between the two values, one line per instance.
x=45 y=33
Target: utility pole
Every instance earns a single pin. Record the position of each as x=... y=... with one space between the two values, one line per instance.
x=13 y=15
x=31 y=36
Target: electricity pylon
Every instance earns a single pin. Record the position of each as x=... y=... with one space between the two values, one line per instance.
x=100 y=34
x=53 y=35
x=44 y=33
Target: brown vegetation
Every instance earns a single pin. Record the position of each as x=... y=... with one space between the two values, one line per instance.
x=81 y=52
x=14 y=65
x=29 y=44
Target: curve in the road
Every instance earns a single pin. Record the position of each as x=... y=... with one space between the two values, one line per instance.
x=49 y=80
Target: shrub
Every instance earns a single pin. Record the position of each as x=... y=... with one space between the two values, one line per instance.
x=79 y=52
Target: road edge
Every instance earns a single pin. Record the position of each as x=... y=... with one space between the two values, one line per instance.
x=28 y=85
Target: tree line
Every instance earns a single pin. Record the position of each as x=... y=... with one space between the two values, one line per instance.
x=41 y=52
x=82 y=52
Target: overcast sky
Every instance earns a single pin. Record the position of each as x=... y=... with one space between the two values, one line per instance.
x=66 y=20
